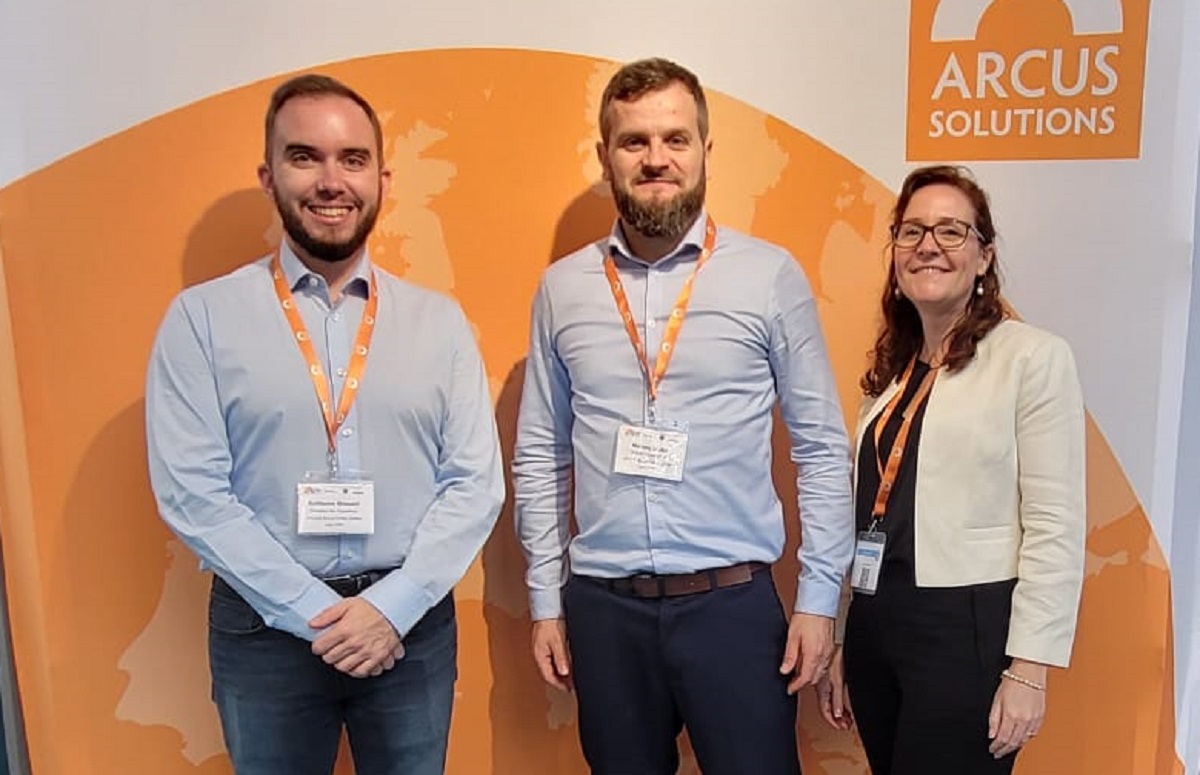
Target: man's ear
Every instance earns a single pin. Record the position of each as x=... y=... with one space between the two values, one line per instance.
x=602 y=157
x=265 y=179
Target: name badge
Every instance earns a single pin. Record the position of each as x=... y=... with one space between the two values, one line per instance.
x=868 y=559
x=335 y=506
x=650 y=452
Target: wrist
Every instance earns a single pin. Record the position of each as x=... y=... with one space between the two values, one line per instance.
x=1032 y=671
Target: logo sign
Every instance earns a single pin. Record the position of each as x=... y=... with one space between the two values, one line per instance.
x=1026 y=79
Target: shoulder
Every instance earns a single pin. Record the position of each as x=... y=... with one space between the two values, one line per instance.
x=232 y=288
x=586 y=260
x=752 y=251
x=1016 y=338
x=417 y=299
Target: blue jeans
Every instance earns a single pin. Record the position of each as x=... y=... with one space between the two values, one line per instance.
x=282 y=708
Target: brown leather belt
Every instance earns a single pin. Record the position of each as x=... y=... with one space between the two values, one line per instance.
x=679 y=584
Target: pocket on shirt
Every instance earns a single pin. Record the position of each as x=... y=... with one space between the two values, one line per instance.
x=233 y=615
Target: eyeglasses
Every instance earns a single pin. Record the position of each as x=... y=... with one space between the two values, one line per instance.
x=948 y=234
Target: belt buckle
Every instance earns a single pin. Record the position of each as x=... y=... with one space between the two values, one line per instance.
x=347 y=584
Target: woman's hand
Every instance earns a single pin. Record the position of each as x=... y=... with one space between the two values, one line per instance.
x=1018 y=708
x=832 y=695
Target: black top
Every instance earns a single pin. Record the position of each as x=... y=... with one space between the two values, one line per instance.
x=899 y=567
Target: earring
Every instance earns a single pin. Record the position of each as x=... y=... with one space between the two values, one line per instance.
x=978 y=286
x=896 y=292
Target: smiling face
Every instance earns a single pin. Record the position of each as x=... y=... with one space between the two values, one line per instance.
x=939 y=281
x=655 y=159
x=325 y=175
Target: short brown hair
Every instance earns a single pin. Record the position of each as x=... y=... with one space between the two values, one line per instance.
x=901 y=335
x=316 y=85
x=639 y=78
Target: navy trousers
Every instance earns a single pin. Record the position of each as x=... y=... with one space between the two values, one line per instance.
x=646 y=668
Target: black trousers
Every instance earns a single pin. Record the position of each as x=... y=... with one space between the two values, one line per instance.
x=646 y=668
x=923 y=666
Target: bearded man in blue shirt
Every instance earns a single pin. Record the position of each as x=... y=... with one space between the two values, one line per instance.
x=656 y=358
x=321 y=434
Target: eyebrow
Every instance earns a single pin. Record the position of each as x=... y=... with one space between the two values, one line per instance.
x=353 y=151
x=642 y=133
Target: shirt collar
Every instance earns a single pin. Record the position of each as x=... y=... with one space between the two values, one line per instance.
x=295 y=272
x=689 y=247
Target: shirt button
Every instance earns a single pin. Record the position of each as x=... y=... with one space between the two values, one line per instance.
x=347 y=431
x=336 y=317
x=341 y=372
x=651 y=323
x=313 y=282
x=653 y=498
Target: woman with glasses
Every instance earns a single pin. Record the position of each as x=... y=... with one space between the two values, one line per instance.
x=969 y=491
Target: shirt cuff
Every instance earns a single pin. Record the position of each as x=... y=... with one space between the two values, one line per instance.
x=315 y=599
x=545 y=604
x=818 y=597
x=401 y=600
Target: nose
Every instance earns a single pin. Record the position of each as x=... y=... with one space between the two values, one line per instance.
x=928 y=245
x=656 y=154
x=330 y=181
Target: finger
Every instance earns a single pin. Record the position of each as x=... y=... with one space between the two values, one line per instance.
x=339 y=651
x=847 y=708
x=545 y=663
x=837 y=698
x=825 y=702
x=562 y=658
x=328 y=640
x=791 y=653
x=809 y=662
x=366 y=665
x=328 y=616
x=994 y=718
x=354 y=665
x=1005 y=738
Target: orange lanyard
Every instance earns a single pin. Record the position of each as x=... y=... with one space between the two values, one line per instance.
x=674 y=322
x=358 y=358
x=887 y=473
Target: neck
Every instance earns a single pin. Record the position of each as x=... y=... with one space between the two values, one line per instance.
x=335 y=273
x=936 y=328
x=651 y=249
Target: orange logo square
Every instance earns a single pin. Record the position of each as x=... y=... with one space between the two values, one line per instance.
x=1026 y=79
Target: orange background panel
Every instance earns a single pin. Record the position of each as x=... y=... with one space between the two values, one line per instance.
x=1009 y=28
x=495 y=176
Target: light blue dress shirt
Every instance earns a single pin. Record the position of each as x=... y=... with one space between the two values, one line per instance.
x=751 y=336
x=233 y=424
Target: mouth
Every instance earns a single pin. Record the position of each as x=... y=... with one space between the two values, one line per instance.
x=657 y=184
x=330 y=214
x=928 y=270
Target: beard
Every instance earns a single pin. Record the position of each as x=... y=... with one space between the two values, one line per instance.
x=325 y=250
x=667 y=219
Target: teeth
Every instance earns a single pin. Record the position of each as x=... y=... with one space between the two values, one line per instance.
x=331 y=212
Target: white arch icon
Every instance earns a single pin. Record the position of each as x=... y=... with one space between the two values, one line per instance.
x=959 y=19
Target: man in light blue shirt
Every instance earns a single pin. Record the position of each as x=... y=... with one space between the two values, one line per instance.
x=321 y=434
x=659 y=610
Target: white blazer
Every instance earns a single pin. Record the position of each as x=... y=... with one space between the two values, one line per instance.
x=1001 y=483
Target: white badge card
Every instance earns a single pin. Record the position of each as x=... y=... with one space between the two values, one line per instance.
x=650 y=452
x=868 y=559
x=327 y=505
